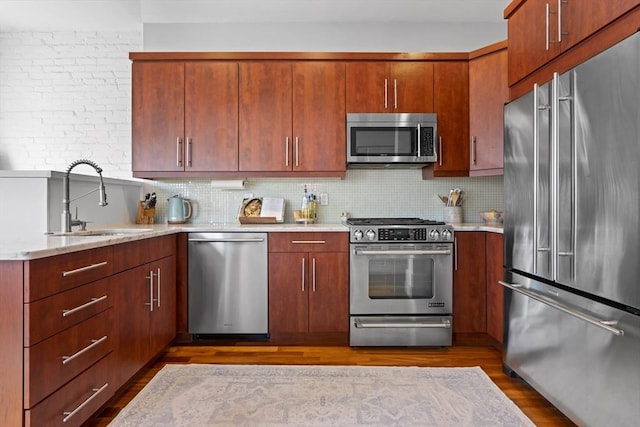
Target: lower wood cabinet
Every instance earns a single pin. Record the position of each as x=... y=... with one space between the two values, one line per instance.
x=469 y=278
x=75 y=327
x=477 y=296
x=308 y=283
x=145 y=320
x=495 y=292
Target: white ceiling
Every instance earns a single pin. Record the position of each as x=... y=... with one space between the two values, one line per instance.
x=28 y=15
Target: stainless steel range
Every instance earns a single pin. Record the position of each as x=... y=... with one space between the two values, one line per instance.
x=401 y=280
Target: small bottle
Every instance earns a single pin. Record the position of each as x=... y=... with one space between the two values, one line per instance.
x=312 y=206
x=305 y=204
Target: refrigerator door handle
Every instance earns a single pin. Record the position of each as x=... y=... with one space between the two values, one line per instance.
x=607 y=325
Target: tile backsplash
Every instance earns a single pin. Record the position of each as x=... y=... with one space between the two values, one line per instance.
x=363 y=193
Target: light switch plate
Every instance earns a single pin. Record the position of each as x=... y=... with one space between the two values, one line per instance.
x=324 y=199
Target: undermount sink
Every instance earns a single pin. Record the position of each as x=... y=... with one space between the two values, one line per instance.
x=104 y=232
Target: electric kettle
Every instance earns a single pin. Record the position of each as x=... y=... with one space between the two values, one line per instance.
x=179 y=210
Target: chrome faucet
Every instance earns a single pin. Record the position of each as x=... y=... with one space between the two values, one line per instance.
x=67 y=222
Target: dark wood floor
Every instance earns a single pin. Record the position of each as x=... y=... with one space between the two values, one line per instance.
x=487 y=357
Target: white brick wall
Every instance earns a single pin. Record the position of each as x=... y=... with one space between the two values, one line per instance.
x=65 y=96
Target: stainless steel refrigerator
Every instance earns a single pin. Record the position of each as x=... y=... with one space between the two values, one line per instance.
x=572 y=238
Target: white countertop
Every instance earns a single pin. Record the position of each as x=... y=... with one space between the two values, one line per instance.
x=34 y=245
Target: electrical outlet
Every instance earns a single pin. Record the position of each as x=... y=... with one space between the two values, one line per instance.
x=324 y=199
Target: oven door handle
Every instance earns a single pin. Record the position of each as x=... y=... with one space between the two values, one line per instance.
x=404 y=252
x=444 y=323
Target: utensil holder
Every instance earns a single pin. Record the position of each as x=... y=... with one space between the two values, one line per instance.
x=145 y=215
x=453 y=214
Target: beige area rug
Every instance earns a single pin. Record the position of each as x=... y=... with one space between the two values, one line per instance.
x=257 y=395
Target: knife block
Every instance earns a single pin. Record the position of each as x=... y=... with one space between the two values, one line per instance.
x=145 y=216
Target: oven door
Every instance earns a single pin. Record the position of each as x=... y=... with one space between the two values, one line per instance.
x=401 y=279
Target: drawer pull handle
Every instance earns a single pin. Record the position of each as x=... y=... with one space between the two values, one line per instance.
x=81 y=269
x=96 y=392
x=93 y=301
x=67 y=359
x=310 y=242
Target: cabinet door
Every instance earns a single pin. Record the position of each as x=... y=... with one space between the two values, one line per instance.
x=533 y=34
x=288 y=293
x=411 y=87
x=131 y=311
x=451 y=100
x=367 y=87
x=211 y=116
x=265 y=117
x=319 y=116
x=157 y=116
x=329 y=292
x=162 y=326
x=581 y=19
x=488 y=91
x=495 y=291
x=469 y=276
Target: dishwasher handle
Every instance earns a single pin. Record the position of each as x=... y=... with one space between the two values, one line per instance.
x=230 y=240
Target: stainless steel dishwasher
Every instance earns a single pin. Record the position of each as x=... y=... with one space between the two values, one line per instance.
x=228 y=284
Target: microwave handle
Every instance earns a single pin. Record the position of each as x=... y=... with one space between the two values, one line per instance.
x=419 y=141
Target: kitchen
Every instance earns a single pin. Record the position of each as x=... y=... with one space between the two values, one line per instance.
x=397 y=188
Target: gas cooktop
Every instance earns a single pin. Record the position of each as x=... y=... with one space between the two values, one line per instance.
x=391 y=221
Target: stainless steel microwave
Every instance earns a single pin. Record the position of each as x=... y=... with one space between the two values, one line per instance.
x=391 y=139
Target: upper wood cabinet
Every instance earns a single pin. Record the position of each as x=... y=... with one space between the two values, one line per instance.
x=451 y=104
x=184 y=117
x=390 y=87
x=539 y=30
x=292 y=117
x=488 y=92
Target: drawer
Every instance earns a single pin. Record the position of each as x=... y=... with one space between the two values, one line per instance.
x=48 y=276
x=55 y=361
x=65 y=407
x=132 y=254
x=46 y=317
x=309 y=242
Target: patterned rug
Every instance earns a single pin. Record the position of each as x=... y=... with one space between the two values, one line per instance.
x=257 y=395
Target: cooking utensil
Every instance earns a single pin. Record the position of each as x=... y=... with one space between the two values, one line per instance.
x=444 y=199
x=454 y=198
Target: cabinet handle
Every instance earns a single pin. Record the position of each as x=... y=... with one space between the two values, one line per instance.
x=286 y=151
x=473 y=150
x=81 y=269
x=297 y=152
x=303 y=274
x=67 y=359
x=151 y=300
x=158 y=286
x=96 y=392
x=310 y=242
x=440 y=149
x=313 y=270
x=178 y=152
x=189 y=152
x=93 y=301
x=385 y=95
x=546 y=28
x=395 y=94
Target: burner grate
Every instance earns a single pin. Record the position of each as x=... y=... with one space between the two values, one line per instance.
x=391 y=221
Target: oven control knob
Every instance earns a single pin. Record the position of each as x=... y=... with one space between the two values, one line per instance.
x=357 y=235
x=371 y=235
x=434 y=234
x=446 y=234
